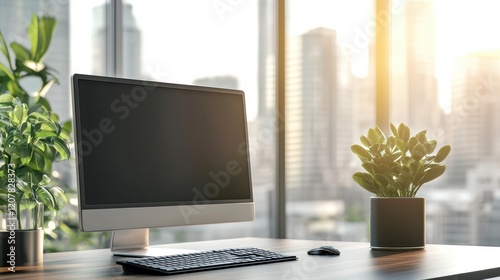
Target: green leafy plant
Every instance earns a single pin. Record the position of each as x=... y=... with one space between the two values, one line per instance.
x=31 y=137
x=398 y=165
x=27 y=63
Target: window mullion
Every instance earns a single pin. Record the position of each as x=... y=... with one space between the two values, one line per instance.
x=382 y=65
x=280 y=198
x=115 y=39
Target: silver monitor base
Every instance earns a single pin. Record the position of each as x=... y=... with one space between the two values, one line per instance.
x=135 y=243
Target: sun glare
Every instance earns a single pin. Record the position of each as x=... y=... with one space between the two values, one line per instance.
x=467 y=26
x=463 y=27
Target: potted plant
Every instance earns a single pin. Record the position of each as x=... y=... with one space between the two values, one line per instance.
x=31 y=139
x=396 y=167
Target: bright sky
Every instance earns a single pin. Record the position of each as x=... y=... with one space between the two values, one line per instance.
x=463 y=27
x=223 y=41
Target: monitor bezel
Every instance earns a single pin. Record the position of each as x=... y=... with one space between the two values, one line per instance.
x=119 y=217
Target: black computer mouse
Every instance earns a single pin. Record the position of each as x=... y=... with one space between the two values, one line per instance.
x=325 y=251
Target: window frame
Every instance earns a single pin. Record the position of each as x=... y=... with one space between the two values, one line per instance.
x=114 y=67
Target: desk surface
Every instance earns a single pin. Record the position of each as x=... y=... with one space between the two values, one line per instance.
x=356 y=261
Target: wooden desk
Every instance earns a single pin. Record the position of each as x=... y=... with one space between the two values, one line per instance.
x=356 y=261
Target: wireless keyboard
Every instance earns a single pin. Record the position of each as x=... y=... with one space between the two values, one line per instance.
x=200 y=261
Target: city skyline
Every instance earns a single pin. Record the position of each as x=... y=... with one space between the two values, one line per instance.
x=328 y=103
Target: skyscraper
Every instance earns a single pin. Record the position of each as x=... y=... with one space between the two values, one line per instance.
x=319 y=108
x=475 y=104
x=414 y=87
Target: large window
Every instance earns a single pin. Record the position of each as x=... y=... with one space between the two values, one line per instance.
x=211 y=44
x=444 y=77
x=330 y=96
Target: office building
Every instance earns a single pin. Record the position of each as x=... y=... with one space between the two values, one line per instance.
x=484 y=181
x=318 y=112
x=473 y=165
x=475 y=104
x=415 y=99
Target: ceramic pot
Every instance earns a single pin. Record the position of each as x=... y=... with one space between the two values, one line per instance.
x=397 y=223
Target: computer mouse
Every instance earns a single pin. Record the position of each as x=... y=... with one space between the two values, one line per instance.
x=325 y=251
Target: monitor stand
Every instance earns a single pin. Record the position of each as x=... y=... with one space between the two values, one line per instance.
x=135 y=243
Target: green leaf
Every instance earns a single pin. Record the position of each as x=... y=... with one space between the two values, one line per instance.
x=373 y=136
x=47 y=126
x=35 y=108
x=422 y=139
x=45 y=180
x=7 y=72
x=412 y=143
x=377 y=148
x=432 y=174
x=417 y=177
x=46 y=197
x=404 y=177
x=65 y=135
x=22 y=53
x=418 y=152
x=37 y=161
x=67 y=126
x=430 y=146
x=361 y=152
x=34 y=35
x=365 y=181
x=394 y=130
x=5 y=50
x=380 y=134
x=19 y=114
x=26 y=152
x=370 y=167
x=60 y=197
x=401 y=145
x=416 y=167
x=442 y=153
x=43 y=134
x=40 y=32
x=62 y=148
x=365 y=141
x=384 y=169
x=16 y=90
x=22 y=185
x=53 y=197
x=6 y=98
x=42 y=101
x=17 y=102
x=404 y=132
x=26 y=130
x=381 y=180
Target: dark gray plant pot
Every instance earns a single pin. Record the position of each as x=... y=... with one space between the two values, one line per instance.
x=397 y=223
x=28 y=248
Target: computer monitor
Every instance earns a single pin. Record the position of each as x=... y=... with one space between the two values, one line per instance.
x=152 y=154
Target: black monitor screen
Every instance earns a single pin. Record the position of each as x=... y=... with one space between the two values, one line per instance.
x=159 y=144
